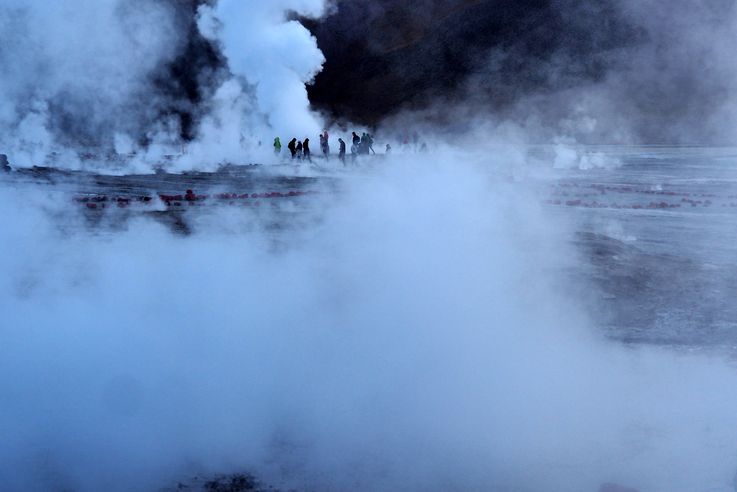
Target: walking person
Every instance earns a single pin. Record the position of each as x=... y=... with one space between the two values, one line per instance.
x=277 y=146
x=341 y=152
x=306 y=149
x=292 y=146
x=364 y=146
x=354 y=149
x=325 y=144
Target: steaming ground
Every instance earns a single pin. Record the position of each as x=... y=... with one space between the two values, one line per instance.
x=418 y=325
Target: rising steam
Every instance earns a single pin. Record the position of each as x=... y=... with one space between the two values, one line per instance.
x=100 y=77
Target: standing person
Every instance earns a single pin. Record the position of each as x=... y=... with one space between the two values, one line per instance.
x=354 y=149
x=370 y=142
x=388 y=149
x=341 y=153
x=306 y=149
x=365 y=145
x=277 y=146
x=356 y=141
x=325 y=144
x=292 y=146
x=299 y=150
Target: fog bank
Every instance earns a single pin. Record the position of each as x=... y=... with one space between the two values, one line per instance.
x=413 y=339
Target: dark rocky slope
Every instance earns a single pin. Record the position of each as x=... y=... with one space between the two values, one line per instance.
x=386 y=55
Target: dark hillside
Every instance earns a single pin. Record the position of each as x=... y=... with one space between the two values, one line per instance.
x=387 y=54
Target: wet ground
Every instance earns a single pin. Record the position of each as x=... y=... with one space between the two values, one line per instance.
x=658 y=232
x=655 y=227
x=109 y=202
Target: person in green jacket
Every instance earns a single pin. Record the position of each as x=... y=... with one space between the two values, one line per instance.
x=277 y=146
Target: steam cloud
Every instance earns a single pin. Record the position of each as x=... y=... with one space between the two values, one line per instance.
x=117 y=77
x=211 y=80
x=131 y=360
x=411 y=340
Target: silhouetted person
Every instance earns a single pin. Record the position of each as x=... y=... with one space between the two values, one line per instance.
x=388 y=149
x=306 y=149
x=299 y=150
x=364 y=146
x=325 y=144
x=341 y=152
x=356 y=140
x=354 y=148
x=292 y=146
x=277 y=146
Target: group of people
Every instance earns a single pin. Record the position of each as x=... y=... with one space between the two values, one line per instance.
x=300 y=150
x=363 y=144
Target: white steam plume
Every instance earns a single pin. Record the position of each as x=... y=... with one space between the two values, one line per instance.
x=275 y=56
x=271 y=59
x=90 y=60
x=80 y=77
